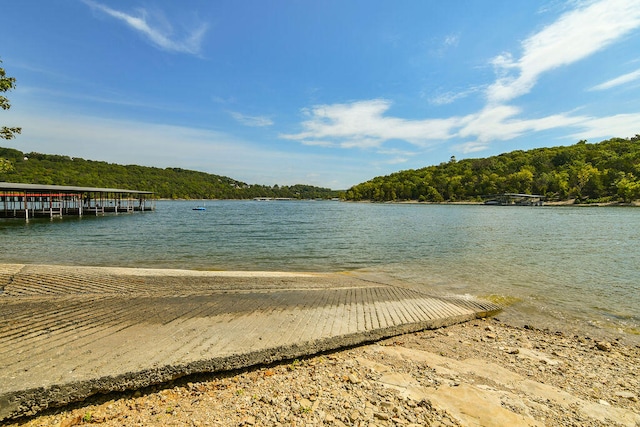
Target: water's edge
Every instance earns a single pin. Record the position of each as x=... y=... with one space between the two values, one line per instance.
x=558 y=267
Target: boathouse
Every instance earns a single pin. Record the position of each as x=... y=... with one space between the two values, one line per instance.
x=514 y=199
x=37 y=201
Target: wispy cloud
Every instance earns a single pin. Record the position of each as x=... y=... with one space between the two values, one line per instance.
x=450 y=41
x=471 y=147
x=253 y=121
x=618 y=81
x=574 y=36
x=314 y=143
x=397 y=156
x=504 y=122
x=451 y=97
x=113 y=98
x=162 y=38
x=624 y=124
x=363 y=124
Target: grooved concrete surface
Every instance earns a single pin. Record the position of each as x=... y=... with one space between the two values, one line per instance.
x=67 y=333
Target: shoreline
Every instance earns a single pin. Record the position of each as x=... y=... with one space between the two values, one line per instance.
x=571 y=326
x=569 y=202
x=482 y=372
x=492 y=371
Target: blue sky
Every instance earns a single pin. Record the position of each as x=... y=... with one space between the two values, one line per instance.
x=328 y=93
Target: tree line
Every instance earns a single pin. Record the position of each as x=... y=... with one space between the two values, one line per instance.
x=608 y=171
x=169 y=183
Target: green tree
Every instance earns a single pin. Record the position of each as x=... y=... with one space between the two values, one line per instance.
x=584 y=174
x=432 y=195
x=6 y=84
x=5 y=165
x=521 y=181
x=628 y=187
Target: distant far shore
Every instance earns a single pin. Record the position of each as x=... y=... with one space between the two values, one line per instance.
x=570 y=202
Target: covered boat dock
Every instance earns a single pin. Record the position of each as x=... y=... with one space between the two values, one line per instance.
x=514 y=199
x=41 y=201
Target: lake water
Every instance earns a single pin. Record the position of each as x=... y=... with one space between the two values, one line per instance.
x=561 y=267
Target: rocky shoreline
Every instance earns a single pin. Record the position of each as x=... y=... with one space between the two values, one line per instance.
x=483 y=372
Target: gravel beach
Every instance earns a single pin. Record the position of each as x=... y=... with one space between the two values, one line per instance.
x=479 y=373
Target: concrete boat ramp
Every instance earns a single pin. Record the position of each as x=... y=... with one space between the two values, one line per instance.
x=67 y=333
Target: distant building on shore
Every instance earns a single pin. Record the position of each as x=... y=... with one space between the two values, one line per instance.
x=514 y=199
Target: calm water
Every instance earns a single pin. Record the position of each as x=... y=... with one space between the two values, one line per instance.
x=562 y=266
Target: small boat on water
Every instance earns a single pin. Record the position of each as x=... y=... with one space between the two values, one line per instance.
x=199 y=208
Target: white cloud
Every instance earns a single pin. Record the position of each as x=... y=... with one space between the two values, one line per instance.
x=113 y=98
x=443 y=45
x=501 y=122
x=618 y=81
x=161 y=37
x=471 y=147
x=619 y=125
x=398 y=156
x=313 y=143
x=451 y=40
x=253 y=121
x=363 y=124
x=576 y=35
x=397 y=160
x=450 y=97
x=397 y=152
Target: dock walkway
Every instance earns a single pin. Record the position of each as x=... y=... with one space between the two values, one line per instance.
x=67 y=333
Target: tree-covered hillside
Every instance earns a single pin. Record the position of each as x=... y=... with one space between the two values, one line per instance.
x=174 y=183
x=605 y=172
